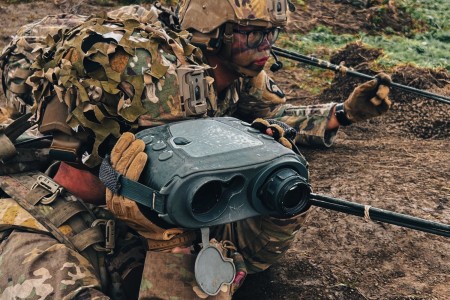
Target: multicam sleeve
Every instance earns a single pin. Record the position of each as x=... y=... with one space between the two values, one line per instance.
x=262 y=240
x=36 y=266
x=261 y=97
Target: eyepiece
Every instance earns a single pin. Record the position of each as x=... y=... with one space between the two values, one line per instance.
x=285 y=192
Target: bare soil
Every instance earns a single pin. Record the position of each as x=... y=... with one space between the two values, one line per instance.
x=398 y=162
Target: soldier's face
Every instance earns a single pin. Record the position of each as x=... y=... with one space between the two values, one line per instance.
x=251 y=47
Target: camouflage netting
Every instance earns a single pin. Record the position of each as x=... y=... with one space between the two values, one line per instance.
x=108 y=73
x=30 y=42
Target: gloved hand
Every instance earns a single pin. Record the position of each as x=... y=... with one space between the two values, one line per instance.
x=281 y=132
x=128 y=158
x=369 y=99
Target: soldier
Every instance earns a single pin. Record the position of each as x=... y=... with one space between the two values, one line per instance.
x=109 y=77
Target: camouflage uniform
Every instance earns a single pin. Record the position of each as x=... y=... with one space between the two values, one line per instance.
x=115 y=76
x=36 y=266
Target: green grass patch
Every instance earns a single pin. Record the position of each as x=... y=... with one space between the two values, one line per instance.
x=427 y=49
x=435 y=13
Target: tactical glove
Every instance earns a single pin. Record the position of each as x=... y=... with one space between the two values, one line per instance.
x=128 y=158
x=281 y=132
x=368 y=100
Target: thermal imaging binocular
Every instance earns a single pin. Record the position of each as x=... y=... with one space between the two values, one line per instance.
x=213 y=171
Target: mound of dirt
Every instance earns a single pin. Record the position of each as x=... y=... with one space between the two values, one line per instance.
x=354 y=55
x=414 y=115
x=421 y=116
x=345 y=18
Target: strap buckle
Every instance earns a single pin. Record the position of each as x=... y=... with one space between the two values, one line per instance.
x=49 y=185
x=110 y=235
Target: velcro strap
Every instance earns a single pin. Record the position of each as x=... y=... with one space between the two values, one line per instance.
x=133 y=190
x=36 y=194
x=63 y=213
x=18 y=190
x=184 y=239
x=18 y=127
x=88 y=237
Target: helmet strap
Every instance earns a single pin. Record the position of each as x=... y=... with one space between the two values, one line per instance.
x=227 y=41
x=244 y=72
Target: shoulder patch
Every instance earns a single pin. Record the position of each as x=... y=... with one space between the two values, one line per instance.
x=273 y=88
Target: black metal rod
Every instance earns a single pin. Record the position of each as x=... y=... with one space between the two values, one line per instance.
x=327 y=65
x=381 y=215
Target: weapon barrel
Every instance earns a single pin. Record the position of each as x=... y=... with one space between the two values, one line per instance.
x=381 y=215
x=328 y=65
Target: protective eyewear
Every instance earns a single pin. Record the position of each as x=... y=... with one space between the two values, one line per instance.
x=256 y=37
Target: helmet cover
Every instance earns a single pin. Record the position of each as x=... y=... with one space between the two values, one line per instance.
x=207 y=15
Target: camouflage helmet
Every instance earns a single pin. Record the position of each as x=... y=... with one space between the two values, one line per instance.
x=211 y=22
x=207 y=15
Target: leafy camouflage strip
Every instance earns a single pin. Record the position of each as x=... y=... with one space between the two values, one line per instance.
x=30 y=42
x=33 y=39
x=141 y=13
x=28 y=270
x=111 y=73
x=262 y=241
x=262 y=97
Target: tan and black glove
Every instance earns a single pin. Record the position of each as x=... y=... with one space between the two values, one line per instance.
x=281 y=132
x=367 y=100
x=128 y=158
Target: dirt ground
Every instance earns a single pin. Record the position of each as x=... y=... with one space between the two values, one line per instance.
x=398 y=162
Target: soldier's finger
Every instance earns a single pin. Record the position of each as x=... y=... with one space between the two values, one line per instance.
x=367 y=86
x=375 y=101
x=382 y=92
x=128 y=155
x=121 y=145
x=285 y=142
x=199 y=292
x=260 y=124
x=278 y=132
x=388 y=102
x=136 y=166
x=384 y=79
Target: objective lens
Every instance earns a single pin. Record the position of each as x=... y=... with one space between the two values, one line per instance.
x=292 y=197
x=285 y=192
x=211 y=198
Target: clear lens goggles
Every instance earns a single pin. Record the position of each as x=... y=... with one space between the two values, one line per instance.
x=256 y=37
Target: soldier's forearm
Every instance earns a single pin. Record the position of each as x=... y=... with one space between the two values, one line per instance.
x=333 y=122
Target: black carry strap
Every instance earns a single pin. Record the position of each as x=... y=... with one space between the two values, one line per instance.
x=120 y=185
